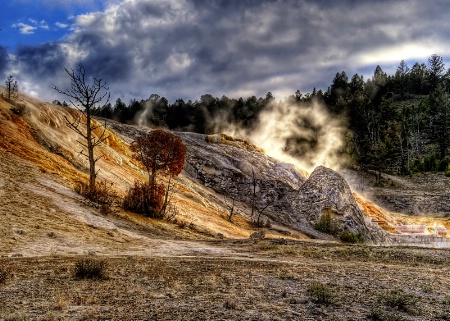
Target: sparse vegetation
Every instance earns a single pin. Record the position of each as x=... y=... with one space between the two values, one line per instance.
x=103 y=195
x=260 y=223
x=446 y=300
x=286 y=275
x=18 y=316
x=196 y=286
x=89 y=268
x=144 y=199
x=399 y=300
x=377 y=314
x=4 y=274
x=19 y=109
x=230 y=303
x=320 y=293
x=347 y=236
x=327 y=223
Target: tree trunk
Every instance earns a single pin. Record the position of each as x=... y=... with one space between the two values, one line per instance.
x=254 y=194
x=230 y=217
x=92 y=173
x=166 y=199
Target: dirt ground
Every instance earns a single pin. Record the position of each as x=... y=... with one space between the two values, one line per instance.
x=256 y=280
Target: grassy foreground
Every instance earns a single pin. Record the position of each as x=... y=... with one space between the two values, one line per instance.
x=263 y=280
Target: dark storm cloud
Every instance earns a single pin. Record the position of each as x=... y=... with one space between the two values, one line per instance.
x=41 y=61
x=3 y=59
x=243 y=47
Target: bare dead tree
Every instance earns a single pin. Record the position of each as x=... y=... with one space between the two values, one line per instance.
x=258 y=210
x=232 y=208
x=85 y=97
x=11 y=88
x=232 y=205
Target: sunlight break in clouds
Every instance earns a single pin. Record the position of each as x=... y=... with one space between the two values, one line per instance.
x=407 y=51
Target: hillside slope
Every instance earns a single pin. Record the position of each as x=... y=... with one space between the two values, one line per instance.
x=41 y=165
x=41 y=214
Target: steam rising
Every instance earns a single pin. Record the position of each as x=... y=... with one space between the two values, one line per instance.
x=141 y=118
x=306 y=136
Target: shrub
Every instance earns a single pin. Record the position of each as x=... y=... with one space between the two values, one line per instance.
x=230 y=304
x=444 y=164
x=377 y=314
x=145 y=199
x=172 y=213
x=399 y=300
x=320 y=293
x=17 y=316
x=261 y=223
x=447 y=171
x=4 y=274
x=19 y=109
x=88 y=268
x=103 y=195
x=347 y=236
x=446 y=300
x=327 y=223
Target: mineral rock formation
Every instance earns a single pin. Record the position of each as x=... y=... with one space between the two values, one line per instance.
x=239 y=170
x=327 y=193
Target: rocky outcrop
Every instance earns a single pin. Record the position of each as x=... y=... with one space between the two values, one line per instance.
x=238 y=170
x=327 y=193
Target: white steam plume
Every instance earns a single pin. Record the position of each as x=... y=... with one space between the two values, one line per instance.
x=141 y=119
x=309 y=131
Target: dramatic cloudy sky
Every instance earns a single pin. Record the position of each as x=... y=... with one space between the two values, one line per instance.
x=186 y=48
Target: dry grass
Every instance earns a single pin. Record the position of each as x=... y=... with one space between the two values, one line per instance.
x=4 y=274
x=90 y=268
x=252 y=287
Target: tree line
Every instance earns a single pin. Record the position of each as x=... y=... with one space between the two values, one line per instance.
x=396 y=123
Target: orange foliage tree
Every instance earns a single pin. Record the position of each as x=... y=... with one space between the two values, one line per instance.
x=160 y=152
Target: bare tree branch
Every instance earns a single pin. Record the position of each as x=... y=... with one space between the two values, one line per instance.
x=84 y=97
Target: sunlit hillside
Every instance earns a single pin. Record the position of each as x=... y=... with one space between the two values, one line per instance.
x=42 y=165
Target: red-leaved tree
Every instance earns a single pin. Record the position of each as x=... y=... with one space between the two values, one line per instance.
x=161 y=153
